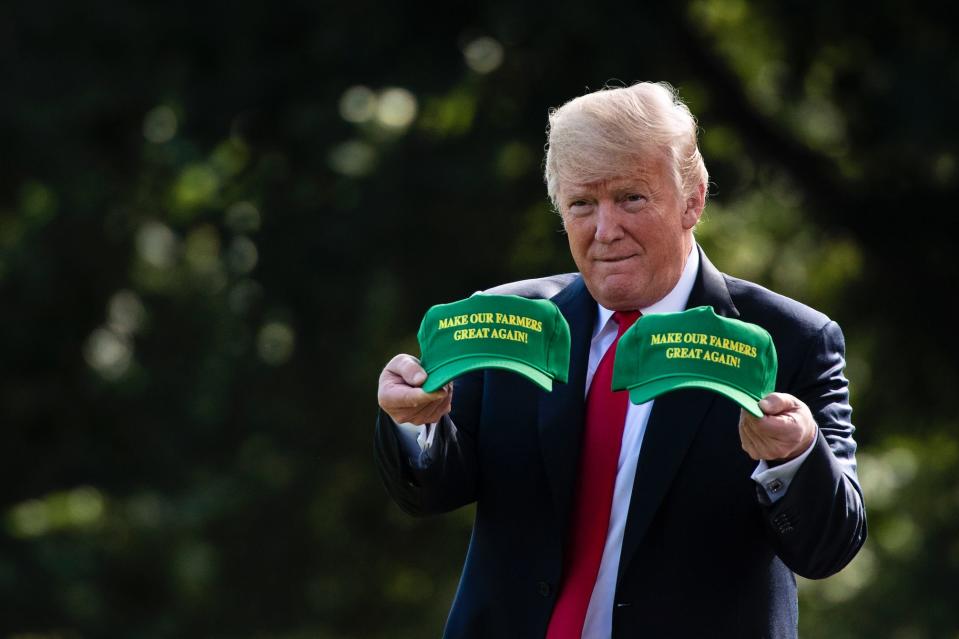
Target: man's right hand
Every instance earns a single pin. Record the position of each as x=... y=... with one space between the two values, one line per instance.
x=401 y=397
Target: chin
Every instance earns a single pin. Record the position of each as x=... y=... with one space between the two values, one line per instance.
x=617 y=298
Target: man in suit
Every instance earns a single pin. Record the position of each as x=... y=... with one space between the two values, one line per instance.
x=703 y=512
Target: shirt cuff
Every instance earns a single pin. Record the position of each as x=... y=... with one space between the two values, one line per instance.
x=775 y=480
x=416 y=439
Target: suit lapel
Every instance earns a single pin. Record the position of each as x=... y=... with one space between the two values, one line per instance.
x=672 y=425
x=561 y=411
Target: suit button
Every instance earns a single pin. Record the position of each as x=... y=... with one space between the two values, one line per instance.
x=544 y=588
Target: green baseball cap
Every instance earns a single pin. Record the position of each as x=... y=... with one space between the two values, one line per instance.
x=663 y=352
x=529 y=337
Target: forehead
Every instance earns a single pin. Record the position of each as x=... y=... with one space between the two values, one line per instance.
x=615 y=183
x=650 y=169
x=642 y=176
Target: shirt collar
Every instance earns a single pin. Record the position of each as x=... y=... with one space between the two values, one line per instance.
x=673 y=302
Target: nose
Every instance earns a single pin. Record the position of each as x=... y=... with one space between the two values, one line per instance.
x=608 y=226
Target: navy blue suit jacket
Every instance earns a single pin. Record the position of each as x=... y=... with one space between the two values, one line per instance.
x=704 y=553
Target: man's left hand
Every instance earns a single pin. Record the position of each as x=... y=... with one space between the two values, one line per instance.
x=782 y=434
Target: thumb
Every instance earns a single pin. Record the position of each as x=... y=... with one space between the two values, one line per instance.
x=778 y=403
x=414 y=377
x=408 y=369
x=412 y=371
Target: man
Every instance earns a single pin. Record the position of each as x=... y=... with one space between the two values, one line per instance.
x=682 y=517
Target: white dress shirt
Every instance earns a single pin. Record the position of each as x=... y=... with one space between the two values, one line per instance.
x=599 y=616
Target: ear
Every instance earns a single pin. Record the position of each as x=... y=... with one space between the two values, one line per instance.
x=694 y=207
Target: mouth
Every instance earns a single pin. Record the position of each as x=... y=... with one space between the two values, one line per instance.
x=614 y=260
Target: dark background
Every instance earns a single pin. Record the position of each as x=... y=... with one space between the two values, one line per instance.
x=219 y=220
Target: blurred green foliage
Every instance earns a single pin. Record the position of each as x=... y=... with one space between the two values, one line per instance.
x=219 y=220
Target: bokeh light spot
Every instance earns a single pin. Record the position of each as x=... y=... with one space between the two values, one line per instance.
x=848 y=583
x=353 y=158
x=483 y=55
x=898 y=534
x=203 y=249
x=242 y=255
x=396 y=108
x=107 y=353
x=230 y=156
x=79 y=508
x=514 y=160
x=358 y=104
x=409 y=585
x=449 y=115
x=125 y=313
x=38 y=203
x=275 y=343
x=194 y=568
x=196 y=185
x=944 y=168
x=160 y=124
x=146 y=510
x=157 y=245
x=243 y=217
x=85 y=506
x=29 y=519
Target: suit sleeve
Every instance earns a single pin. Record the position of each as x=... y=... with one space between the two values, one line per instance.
x=444 y=477
x=819 y=525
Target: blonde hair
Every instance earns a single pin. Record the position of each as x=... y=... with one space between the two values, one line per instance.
x=593 y=137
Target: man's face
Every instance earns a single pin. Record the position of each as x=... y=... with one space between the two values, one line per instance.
x=629 y=235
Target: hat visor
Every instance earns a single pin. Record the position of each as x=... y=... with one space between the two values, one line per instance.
x=445 y=372
x=654 y=388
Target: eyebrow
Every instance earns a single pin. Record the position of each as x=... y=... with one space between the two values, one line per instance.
x=619 y=186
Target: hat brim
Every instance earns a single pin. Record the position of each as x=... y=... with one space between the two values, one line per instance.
x=445 y=372
x=654 y=388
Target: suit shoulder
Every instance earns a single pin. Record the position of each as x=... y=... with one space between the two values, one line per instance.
x=536 y=288
x=754 y=302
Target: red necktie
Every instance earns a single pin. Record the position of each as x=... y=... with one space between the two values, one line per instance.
x=602 y=439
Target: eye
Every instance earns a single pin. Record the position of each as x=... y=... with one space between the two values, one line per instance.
x=634 y=201
x=579 y=207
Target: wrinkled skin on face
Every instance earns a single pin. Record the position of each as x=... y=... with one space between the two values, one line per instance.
x=630 y=235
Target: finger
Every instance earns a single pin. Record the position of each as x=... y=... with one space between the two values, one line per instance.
x=444 y=408
x=765 y=440
x=408 y=368
x=399 y=395
x=788 y=434
x=418 y=417
x=765 y=430
x=748 y=442
x=775 y=439
x=438 y=409
x=747 y=434
x=435 y=410
x=747 y=418
x=777 y=403
x=749 y=424
x=435 y=414
x=430 y=413
x=415 y=415
x=779 y=427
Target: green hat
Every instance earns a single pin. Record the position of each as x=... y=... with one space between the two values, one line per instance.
x=663 y=352
x=529 y=337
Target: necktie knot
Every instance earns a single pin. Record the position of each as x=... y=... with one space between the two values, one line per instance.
x=625 y=319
